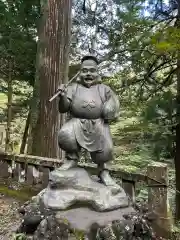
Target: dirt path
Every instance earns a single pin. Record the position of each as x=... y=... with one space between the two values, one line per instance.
x=9 y=218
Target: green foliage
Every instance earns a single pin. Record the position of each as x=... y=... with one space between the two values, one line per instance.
x=166 y=41
x=143 y=195
x=146 y=52
x=24 y=193
x=159 y=117
x=79 y=235
x=19 y=236
x=21 y=97
x=18 y=38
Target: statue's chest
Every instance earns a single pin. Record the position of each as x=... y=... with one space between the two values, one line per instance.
x=87 y=100
x=88 y=97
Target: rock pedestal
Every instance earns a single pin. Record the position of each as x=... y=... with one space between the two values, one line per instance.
x=75 y=205
x=75 y=187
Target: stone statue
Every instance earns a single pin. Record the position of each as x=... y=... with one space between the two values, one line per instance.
x=73 y=201
x=91 y=106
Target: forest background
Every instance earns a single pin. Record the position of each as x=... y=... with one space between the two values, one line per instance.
x=137 y=43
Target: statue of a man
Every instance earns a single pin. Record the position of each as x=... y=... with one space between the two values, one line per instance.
x=91 y=105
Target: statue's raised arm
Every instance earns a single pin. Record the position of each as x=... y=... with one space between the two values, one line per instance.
x=65 y=97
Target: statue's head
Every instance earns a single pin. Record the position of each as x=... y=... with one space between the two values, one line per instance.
x=89 y=71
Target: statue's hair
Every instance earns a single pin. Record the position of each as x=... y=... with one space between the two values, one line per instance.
x=89 y=57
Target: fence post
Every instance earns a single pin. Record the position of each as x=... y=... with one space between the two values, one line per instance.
x=158 y=198
x=29 y=175
x=17 y=171
x=4 y=172
x=45 y=178
x=129 y=187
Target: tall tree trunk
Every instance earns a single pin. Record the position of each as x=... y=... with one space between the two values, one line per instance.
x=9 y=106
x=25 y=134
x=34 y=105
x=177 y=151
x=52 y=70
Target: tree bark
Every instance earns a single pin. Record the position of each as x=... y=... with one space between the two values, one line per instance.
x=25 y=134
x=9 y=104
x=177 y=150
x=52 y=70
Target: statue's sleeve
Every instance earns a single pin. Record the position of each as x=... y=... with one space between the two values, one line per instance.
x=66 y=100
x=111 y=105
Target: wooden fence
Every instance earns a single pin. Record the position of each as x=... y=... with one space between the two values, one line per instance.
x=36 y=169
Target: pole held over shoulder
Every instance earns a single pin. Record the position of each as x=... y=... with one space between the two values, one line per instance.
x=58 y=92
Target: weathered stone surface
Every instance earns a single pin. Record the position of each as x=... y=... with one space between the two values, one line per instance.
x=76 y=187
x=83 y=218
x=123 y=223
x=76 y=206
x=62 y=226
x=50 y=229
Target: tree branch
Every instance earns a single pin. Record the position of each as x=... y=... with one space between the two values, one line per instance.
x=2 y=71
x=167 y=81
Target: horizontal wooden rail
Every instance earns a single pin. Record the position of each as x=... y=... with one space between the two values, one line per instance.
x=52 y=162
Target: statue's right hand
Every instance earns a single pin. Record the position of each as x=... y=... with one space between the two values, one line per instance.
x=62 y=90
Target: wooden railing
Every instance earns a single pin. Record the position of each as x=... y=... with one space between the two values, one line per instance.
x=36 y=170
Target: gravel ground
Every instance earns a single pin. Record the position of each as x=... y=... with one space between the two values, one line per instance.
x=9 y=218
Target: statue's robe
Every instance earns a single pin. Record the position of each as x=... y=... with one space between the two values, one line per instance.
x=90 y=109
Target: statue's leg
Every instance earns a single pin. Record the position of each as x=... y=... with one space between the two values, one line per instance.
x=67 y=142
x=102 y=157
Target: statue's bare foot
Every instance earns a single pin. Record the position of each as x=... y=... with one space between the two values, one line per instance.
x=68 y=164
x=109 y=182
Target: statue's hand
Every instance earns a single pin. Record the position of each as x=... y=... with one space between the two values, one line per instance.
x=62 y=90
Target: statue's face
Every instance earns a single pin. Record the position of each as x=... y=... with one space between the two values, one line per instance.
x=88 y=73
